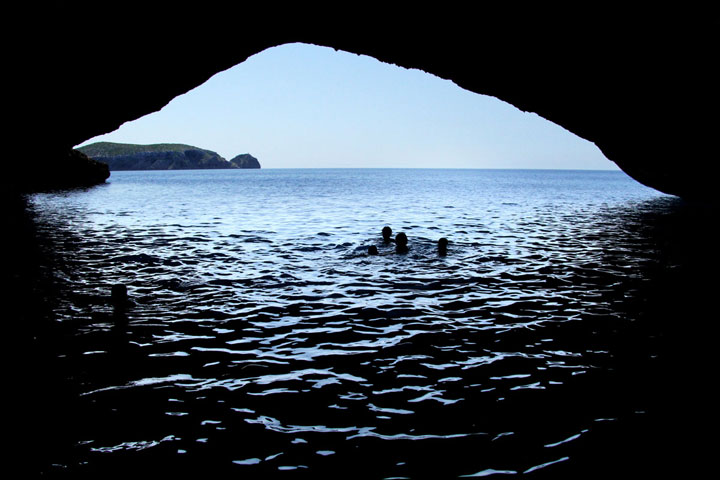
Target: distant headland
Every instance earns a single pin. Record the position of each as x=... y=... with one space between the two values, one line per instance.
x=163 y=156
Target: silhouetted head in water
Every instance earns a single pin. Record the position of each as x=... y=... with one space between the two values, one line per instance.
x=401 y=243
x=372 y=250
x=119 y=296
x=387 y=234
x=442 y=246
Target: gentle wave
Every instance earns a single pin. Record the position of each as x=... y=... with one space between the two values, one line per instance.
x=285 y=331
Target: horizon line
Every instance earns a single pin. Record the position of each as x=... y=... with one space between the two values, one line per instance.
x=617 y=169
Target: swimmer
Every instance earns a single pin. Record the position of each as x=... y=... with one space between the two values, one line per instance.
x=387 y=234
x=119 y=297
x=372 y=250
x=401 y=243
x=442 y=246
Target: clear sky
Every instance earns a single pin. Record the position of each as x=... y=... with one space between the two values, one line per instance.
x=298 y=106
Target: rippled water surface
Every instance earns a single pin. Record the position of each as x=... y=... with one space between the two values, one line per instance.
x=263 y=339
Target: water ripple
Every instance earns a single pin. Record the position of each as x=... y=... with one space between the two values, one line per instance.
x=282 y=328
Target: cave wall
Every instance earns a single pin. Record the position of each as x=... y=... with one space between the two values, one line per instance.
x=641 y=87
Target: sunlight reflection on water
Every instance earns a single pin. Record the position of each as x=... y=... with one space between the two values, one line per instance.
x=261 y=330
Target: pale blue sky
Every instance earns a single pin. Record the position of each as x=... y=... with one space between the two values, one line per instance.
x=297 y=106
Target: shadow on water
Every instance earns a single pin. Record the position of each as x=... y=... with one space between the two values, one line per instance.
x=594 y=367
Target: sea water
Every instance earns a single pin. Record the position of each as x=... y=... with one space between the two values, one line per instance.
x=262 y=338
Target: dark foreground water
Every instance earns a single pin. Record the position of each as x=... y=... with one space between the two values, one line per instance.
x=566 y=333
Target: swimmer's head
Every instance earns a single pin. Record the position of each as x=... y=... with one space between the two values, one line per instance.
x=386 y=233
x=401 y=243
x=118 y=295
x=372 y=250
x=401 y=239
x=442 y=246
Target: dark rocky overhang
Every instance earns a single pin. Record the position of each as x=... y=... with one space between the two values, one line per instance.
x=641 y=87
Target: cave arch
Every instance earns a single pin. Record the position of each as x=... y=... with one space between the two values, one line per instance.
x=632 y=85
x=300 y=105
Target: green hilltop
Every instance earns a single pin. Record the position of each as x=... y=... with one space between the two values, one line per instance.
x=163 y=156
x=110 y=149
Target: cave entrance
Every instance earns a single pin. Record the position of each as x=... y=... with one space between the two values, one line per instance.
x=304 y=106
x=255 y=290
